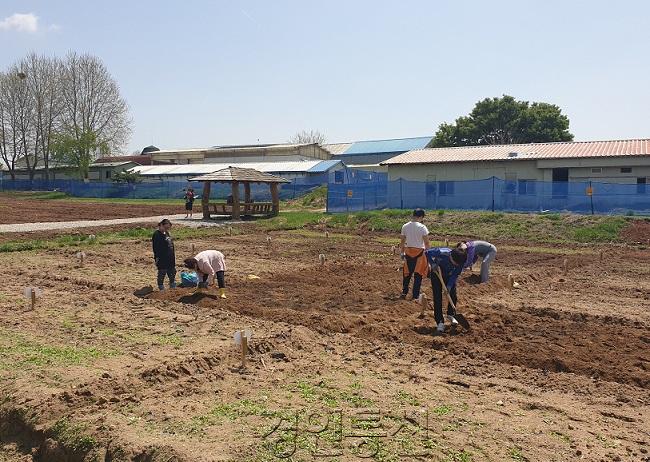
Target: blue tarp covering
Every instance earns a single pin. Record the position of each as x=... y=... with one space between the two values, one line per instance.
x=491 y=194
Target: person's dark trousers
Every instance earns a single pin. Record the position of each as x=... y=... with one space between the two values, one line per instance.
x=437 y=298
x=221 y=280
x=417 y=280
x=170 y=273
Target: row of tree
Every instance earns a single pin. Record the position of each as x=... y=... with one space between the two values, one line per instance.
x=60 y=112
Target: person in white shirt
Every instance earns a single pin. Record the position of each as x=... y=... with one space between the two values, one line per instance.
x=210 y=265
x=414 y=241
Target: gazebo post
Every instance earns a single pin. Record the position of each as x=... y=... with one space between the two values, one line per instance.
x=205 y=200
x=235 y=200
x=275 y=198
x=247 y=197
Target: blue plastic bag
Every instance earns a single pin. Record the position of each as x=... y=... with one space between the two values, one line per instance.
x=189 y=279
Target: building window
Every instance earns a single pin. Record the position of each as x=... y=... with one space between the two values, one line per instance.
x=108 y=174
x=446 y=188
x=597 y=170
x=626 y=169
x=527 y=187
x=641 y=185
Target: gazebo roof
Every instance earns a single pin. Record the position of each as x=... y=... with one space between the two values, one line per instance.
x=243 y=175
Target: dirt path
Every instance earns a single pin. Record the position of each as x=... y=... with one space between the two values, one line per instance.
x=28 y=227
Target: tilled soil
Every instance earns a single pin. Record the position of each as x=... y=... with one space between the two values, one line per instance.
x=14 y=210
x=555 y=369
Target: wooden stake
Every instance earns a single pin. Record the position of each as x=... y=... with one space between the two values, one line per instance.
x=244 y=348
x=600 y=256
x=230 y=230
x=565 y=266
x=446 y=242
x=193 y=248
x=511 y=281
x=33 y=294
x=327 y=234
x=321 y=258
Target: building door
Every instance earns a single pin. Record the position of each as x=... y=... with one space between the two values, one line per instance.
x=560 y=182
x=640 y=185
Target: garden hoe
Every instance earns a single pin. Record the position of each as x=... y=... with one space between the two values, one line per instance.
x=459 y=317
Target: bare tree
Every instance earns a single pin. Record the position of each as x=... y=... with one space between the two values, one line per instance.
x=15 y=143
x=43 y=76
x=307 y=137
x=92 y=102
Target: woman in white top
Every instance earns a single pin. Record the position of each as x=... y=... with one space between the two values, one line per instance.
x=414 y=241
x=209 y=265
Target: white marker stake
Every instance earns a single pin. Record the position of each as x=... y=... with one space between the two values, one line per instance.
x=80 y=256
x=446 y=242
x=327 y=234
x=31 y=294
x=268 y=241
x=230 y=230
x=321 y=258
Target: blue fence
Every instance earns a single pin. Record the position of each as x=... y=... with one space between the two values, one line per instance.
x=492 y=194
x=158 y=190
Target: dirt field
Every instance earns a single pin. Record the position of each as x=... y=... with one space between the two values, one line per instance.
x=18 y=210
x=339 y=369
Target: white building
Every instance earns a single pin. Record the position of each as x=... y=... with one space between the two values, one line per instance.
x=616 y=161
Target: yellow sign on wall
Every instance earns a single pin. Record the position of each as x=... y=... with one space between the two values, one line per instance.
x=590 y=191
x=350 y=193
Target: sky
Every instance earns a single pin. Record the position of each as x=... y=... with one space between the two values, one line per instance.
x=203 y=73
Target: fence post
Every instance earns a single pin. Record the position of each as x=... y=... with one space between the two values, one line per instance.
x=401 y=195
x=591 y=197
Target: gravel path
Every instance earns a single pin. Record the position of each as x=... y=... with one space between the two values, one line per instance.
x=178 y=219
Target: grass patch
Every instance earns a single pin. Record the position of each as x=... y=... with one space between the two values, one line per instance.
x=72 y=436
x=516 y=454
x=17 y=351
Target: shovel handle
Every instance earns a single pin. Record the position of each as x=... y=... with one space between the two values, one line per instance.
x=444 y=288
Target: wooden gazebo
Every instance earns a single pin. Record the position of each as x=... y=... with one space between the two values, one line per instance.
x=235 y=176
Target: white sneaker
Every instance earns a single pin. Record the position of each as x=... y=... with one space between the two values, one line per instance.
x=441 y=327
x=452 y=320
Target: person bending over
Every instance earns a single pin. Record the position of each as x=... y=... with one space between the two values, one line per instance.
x=480 y=249
x=210 y=265
x=450 y=263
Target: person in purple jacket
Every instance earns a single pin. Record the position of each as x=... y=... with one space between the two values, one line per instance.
x=479 y=249
x=451 y=264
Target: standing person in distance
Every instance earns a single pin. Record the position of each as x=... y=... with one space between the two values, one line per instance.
x=414 y=241
x=163 y=254
x=189 y=202
x=210 y=266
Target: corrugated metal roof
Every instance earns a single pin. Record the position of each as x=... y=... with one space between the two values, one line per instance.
x=337 y=148
x=248 y=175
x=324 y=166
x=561 y=150
x=394 y=145
x=236 y=148
x=200 y=169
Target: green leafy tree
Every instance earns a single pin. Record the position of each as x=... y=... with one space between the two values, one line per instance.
x=78 y=152
x=505 y=120
x=126 y=177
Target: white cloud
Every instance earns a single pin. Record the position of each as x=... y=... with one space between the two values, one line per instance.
x=20 y=22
